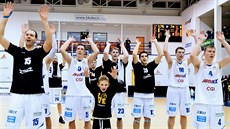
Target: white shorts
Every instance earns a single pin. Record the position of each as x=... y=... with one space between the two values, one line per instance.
x=92 y=102
x=143 y=107
x=77 y=105
x=118 y=105
x=209 y=114
x=178 y=99
x=55 y=95
x=28 y=106
x=46 y=104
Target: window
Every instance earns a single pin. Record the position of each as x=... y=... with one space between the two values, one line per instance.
x=99 y=37
x=76 y=35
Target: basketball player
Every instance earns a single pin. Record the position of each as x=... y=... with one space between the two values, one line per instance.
x=45 y=73
x=178 y=93
x=77 y=94
x=26 y=90
x=208 y=94
x=55 y=83
x=143 y=100
x=103 y=91
x=118 y=103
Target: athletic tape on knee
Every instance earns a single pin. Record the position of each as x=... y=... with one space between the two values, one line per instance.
x=147 y=121
x=136 y=121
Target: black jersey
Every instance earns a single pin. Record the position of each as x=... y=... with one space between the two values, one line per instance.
x=121 y=72
x=95 y=74
x=144 y=77
x=55 y=80
x=102 y=108
x=27 y=70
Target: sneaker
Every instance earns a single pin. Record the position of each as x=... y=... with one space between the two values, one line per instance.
x=61 y=120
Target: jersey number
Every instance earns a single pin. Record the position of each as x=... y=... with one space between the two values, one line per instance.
x=210 y=73
x=219 y=122
x=120 y=110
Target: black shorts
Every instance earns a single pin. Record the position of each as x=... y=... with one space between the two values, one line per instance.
x=101 y=124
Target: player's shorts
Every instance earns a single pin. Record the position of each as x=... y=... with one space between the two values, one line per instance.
x=212 y=115
x=77 y=105
x=28 y=106
x=118 y=105
x=55 y=95
x=46 y=104
x=101 y=124
x=178 y=99
x=143 y=107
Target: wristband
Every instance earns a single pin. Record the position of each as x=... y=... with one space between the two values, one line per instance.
x=9 y=15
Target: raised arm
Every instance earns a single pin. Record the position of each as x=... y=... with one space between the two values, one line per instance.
x=135 y=51
x=159 y=51
x=106 y=51
x=50 y=57
x=93 y=56
x=125 y=53
x=165 y=49
x=43 y=12
x=193 y=55
x=193 y=34
x=64 y=54
x=7 y=11
x=24 y=28
x=221 y=38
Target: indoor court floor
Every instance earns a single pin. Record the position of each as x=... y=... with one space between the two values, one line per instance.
x=159 y=122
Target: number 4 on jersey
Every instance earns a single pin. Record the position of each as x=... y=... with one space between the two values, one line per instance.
x=210 y=73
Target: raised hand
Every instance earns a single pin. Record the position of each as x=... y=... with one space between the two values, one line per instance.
x=86 y=72
x=220 y=36
x=43 y=12
x=153 y=40
x=138 y=41
x=24 y=28
x=88 y=38
x=167 y=33
x=113 y=72
x=8 y=8
x=202 y=37
x=193 y=33
x=71 y=39
x=52 y=28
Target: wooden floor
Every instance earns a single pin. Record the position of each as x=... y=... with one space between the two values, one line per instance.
x=159 y=122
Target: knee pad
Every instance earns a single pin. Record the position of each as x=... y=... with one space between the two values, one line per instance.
x=119 y=119
x=137 y=121
x=148 y=121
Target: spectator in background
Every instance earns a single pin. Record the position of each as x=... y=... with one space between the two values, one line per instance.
x=118 y=44
x=127 y=44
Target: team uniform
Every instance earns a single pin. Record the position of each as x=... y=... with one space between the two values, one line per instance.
x=209 y=97
x=143 y=101
x=77 y=94
x=46 y=102
x=55 y=82
x=178 y=95
x=26 y=90
x=118 y=102
x=102 y=109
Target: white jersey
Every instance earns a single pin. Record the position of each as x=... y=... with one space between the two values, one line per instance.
x=45 y=76
x=208 y=85
x=76 y=78
x=178 y=74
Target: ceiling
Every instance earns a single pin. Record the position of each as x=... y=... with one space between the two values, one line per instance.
x=130 y=7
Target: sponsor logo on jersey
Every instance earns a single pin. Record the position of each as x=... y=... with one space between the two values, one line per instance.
x=210 y=81
x=180 y=76
x=78 y=74
x=30 y=69
x=210 y=88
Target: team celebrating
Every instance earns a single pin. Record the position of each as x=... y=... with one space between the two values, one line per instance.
x=103 y=89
